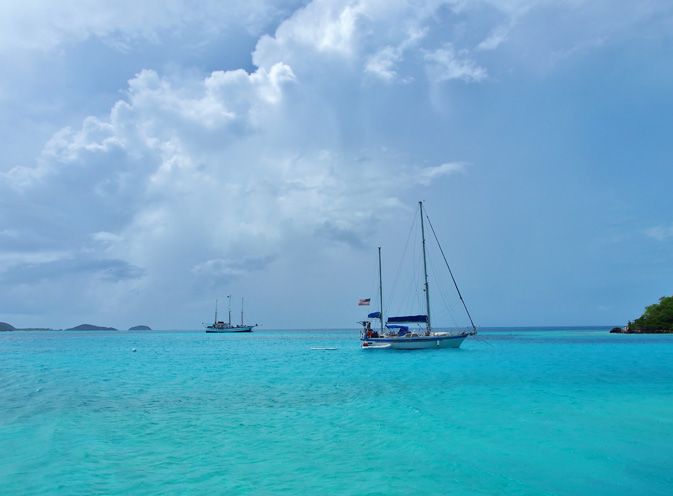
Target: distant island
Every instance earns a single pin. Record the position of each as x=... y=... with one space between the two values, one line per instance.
x=90 y=327
x=4 y=326
x=657 y=319
x=37 y=329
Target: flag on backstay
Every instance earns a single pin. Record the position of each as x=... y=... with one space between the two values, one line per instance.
x=364 y=303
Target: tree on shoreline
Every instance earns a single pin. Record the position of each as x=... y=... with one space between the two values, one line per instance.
x=658 y=316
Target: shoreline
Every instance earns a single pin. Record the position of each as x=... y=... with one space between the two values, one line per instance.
x=625 y=330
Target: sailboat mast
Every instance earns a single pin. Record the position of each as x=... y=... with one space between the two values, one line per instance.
x=215 y=311
x=425 y=270
x=229 y=298
x=380 y=292
x=241 y=311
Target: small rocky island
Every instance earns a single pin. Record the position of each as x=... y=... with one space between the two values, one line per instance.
x=657 y=319
x=140 y=328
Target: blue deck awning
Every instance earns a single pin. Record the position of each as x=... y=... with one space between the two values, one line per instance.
x=409 y=319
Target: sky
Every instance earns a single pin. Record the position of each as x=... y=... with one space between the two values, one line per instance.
x=157 y=156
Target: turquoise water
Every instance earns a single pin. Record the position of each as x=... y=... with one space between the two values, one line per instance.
x=524 y=412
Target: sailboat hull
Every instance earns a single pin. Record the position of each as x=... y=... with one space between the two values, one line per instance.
x=416 y=342
x=231 y=329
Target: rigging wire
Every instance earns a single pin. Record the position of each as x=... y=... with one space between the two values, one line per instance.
x=372 y=291
x=393 y=292
x=447 y=297
x=450 y=272
x=442 y=289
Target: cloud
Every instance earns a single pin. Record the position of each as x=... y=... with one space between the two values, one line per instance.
x=323 y=26
x=47 y=24
x=106 y=237
x=427 y=175
x=200 y=179
x=111 y=269
x=496 y=38
x=660 y=233
x=382 y=63
x=341 y=234
x=445 y=64
x=222 y=271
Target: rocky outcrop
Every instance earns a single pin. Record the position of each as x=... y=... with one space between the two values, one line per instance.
x=6 y=327
x=140 y=328
x=629 y=330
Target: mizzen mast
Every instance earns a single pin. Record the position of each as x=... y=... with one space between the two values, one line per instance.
x=380 y=292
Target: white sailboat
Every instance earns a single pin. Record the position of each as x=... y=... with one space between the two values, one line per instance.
x=396 y=335
x=221 y=326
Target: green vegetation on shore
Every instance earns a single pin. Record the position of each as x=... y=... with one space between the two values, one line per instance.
x=657 y=317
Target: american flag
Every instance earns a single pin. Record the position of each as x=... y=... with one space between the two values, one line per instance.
x=364 y=303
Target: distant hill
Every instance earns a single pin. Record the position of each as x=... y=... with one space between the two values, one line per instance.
x=140 y=328
x=89 y=327
x=6 y=327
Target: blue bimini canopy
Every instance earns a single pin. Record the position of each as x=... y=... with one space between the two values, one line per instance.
x=375 y=315
x=403 y=329
x=409 y=319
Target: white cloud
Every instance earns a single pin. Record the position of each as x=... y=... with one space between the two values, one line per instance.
x=660 y=233
x=427 y=175
x=225 y=269
x=196 y=180
x=107 y=237
x=445 y=64
x=323 y=26
x=496 y=38
x=43 y=25
x=383 y=63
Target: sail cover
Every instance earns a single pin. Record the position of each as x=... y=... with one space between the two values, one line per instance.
x=403 y=328
x=374 y=315
x=409 y=318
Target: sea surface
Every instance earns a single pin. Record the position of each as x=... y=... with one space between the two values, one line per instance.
x=521 y=411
